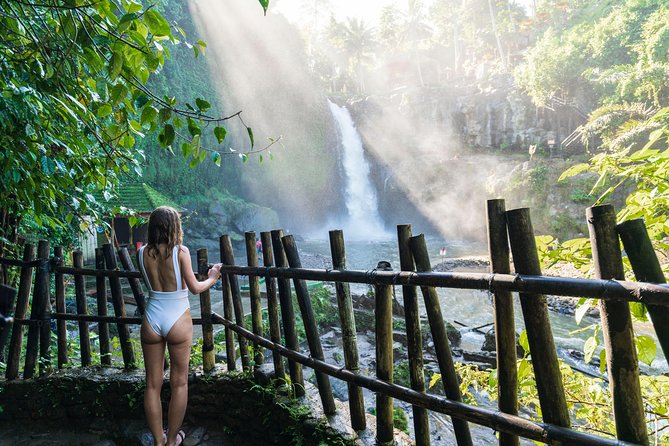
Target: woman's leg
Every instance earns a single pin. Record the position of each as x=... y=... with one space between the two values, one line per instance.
x=153 y=347
x=179 y=341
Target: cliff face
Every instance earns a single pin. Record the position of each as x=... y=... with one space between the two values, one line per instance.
x=439 y=153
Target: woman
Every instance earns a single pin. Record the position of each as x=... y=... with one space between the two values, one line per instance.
x=166 y=266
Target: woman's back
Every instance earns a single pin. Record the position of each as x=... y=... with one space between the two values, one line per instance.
x=162 y=270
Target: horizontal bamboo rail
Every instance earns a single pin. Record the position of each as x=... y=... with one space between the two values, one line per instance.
x=614 y=290
x=499 y=421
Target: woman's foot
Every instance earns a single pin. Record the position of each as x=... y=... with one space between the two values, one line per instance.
x=181 y=435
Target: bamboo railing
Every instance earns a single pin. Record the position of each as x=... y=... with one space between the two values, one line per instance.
x=508 y=232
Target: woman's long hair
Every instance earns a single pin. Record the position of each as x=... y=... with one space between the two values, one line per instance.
x=164 y=227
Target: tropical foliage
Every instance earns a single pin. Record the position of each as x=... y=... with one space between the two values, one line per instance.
x=75 y=80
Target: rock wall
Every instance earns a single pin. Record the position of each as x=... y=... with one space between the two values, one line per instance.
x=111 y=401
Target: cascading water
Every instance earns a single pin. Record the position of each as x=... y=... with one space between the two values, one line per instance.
x=363 y=220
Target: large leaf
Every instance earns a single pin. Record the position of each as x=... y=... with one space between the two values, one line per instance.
x=157 y=23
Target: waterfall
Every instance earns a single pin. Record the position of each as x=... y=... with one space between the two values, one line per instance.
x=362 y=220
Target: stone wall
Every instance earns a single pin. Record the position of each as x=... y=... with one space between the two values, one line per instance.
x=111 y=401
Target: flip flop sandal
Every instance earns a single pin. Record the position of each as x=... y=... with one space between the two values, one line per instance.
x=181 y=436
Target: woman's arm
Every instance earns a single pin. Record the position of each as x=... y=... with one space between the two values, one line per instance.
x=195 y=286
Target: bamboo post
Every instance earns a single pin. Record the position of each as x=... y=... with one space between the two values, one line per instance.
x=61 y=325
x=287 y=313
x=228 y=258
x=383 y=313
x=443 y=348
x=505 y=332
x=254 y=293
x=349 y=334
x=646 y=268
x=538 y=325
x=82 y=308
x=39 y=306
x=310 y=327
x=208 y=354
x=7 y=297
x=272 y=304
x=135 y=286
x=101 y=298
x=45 y=365
x=621 y=358
x=414 y=336
x=119 y=307
x=230 y=358
x=15 y=343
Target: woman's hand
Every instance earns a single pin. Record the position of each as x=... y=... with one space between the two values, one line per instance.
x=215 y=271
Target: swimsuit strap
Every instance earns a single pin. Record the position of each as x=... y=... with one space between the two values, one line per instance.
x=175 y=262
x=142 y=268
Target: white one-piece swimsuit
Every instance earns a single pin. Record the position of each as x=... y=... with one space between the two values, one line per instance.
x=164 y=308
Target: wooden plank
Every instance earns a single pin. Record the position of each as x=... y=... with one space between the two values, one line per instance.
x=254 y=293
x=272 y=305
x=621 y=359
x=287 y=313
x=16 y=341
x=535 y=313
x=310 y=327
x=208 y=353
x=449 y=377
x=228 y=258
x=505 y=331
x=356 y=401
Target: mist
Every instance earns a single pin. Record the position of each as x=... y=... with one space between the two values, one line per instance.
x=264 y=66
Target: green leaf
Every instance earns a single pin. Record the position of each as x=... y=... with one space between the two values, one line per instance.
x=524 y=342
x=193 y=127
x=582 y=310
x=434 y=379
x=574 y=170
x=216 y=158
x=250 y=132
x=149 y=114
x=48 y=166
x=157 y=23
x=590 y=347
x=104 y=110
x=646 y=349
x=115 y=65
x=166 y=137
x=165 y=114
x=220 y=133
x=202 y=105
x=639 y=311
x=265 y=5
